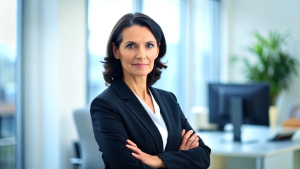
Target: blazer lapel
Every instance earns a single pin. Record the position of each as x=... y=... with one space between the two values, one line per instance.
x=165 y=111
x=134 y=105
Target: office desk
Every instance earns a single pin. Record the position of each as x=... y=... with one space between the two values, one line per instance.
x=257 y=153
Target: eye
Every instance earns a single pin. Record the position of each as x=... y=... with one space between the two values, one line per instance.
x=150 y=45
x=130 y=46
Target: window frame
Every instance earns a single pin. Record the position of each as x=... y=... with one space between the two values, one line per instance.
x=19 y=87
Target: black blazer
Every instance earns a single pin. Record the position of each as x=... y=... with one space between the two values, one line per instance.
x=118 y=115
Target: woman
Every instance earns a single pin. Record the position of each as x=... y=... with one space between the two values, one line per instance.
x=136 y=125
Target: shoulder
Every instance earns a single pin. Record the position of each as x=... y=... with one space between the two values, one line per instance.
x=105 y=94
x=107 y=97
x=167 y=94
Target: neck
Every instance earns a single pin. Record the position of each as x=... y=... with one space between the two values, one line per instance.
x=138 y=85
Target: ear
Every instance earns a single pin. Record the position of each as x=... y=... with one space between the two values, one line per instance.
x=115 y=51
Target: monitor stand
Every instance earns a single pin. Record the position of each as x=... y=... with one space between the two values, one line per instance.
x=236 y=108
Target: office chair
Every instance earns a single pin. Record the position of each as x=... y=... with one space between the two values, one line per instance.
x=90 y=157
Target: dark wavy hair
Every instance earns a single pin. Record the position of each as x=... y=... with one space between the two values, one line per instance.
x=113 y=67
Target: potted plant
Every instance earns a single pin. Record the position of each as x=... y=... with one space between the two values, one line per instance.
x=273 y=64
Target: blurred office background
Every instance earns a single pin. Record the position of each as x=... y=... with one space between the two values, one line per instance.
x=50 y=53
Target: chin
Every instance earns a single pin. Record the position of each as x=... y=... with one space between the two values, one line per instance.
x=141 y=74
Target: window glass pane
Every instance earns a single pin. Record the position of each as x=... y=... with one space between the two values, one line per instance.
x=7 y=82
x=102 y=16
x=207 y=52
x=172 y=26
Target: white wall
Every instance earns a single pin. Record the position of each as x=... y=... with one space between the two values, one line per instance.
x=54 y=73
x=240 y=17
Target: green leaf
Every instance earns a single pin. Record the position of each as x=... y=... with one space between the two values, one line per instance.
x=272 y=65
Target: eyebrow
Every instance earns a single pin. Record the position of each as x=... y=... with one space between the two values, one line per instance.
x=129 y=42
x=135 y=42
x=151 y=41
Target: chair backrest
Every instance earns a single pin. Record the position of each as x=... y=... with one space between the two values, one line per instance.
x=91 y=157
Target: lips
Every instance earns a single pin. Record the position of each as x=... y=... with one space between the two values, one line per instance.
x=140 y=64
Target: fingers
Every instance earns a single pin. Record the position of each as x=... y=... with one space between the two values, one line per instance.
x=131 y=143
x=152 y=161
x=183 y=132
x=132 y=146
x=181 y=147
x=136 y=156
x=189 y=140
x=195 y=143
x=186 y=138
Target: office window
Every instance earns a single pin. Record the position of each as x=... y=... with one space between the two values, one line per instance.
x=191 y=31
x=173 y=24
x=9 y=44
x=102 y=16
x=205 y=59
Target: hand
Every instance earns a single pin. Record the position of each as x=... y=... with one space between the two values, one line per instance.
x=150 y=160
x=189 y=141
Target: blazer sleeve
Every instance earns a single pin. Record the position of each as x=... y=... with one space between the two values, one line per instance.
x=198 y=157
x=111 y=136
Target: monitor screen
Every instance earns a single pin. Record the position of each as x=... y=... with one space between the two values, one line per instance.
x=254 y=103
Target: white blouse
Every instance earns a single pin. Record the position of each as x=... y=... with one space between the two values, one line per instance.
x=157 y=119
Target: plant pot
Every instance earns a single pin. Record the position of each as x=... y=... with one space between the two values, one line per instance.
x=273 y=116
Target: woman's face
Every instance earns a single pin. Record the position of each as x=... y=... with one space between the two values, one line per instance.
x=137 y=51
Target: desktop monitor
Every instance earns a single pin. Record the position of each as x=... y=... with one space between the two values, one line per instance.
x=238 y=104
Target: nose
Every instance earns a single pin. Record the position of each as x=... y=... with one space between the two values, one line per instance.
x=141 y=53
